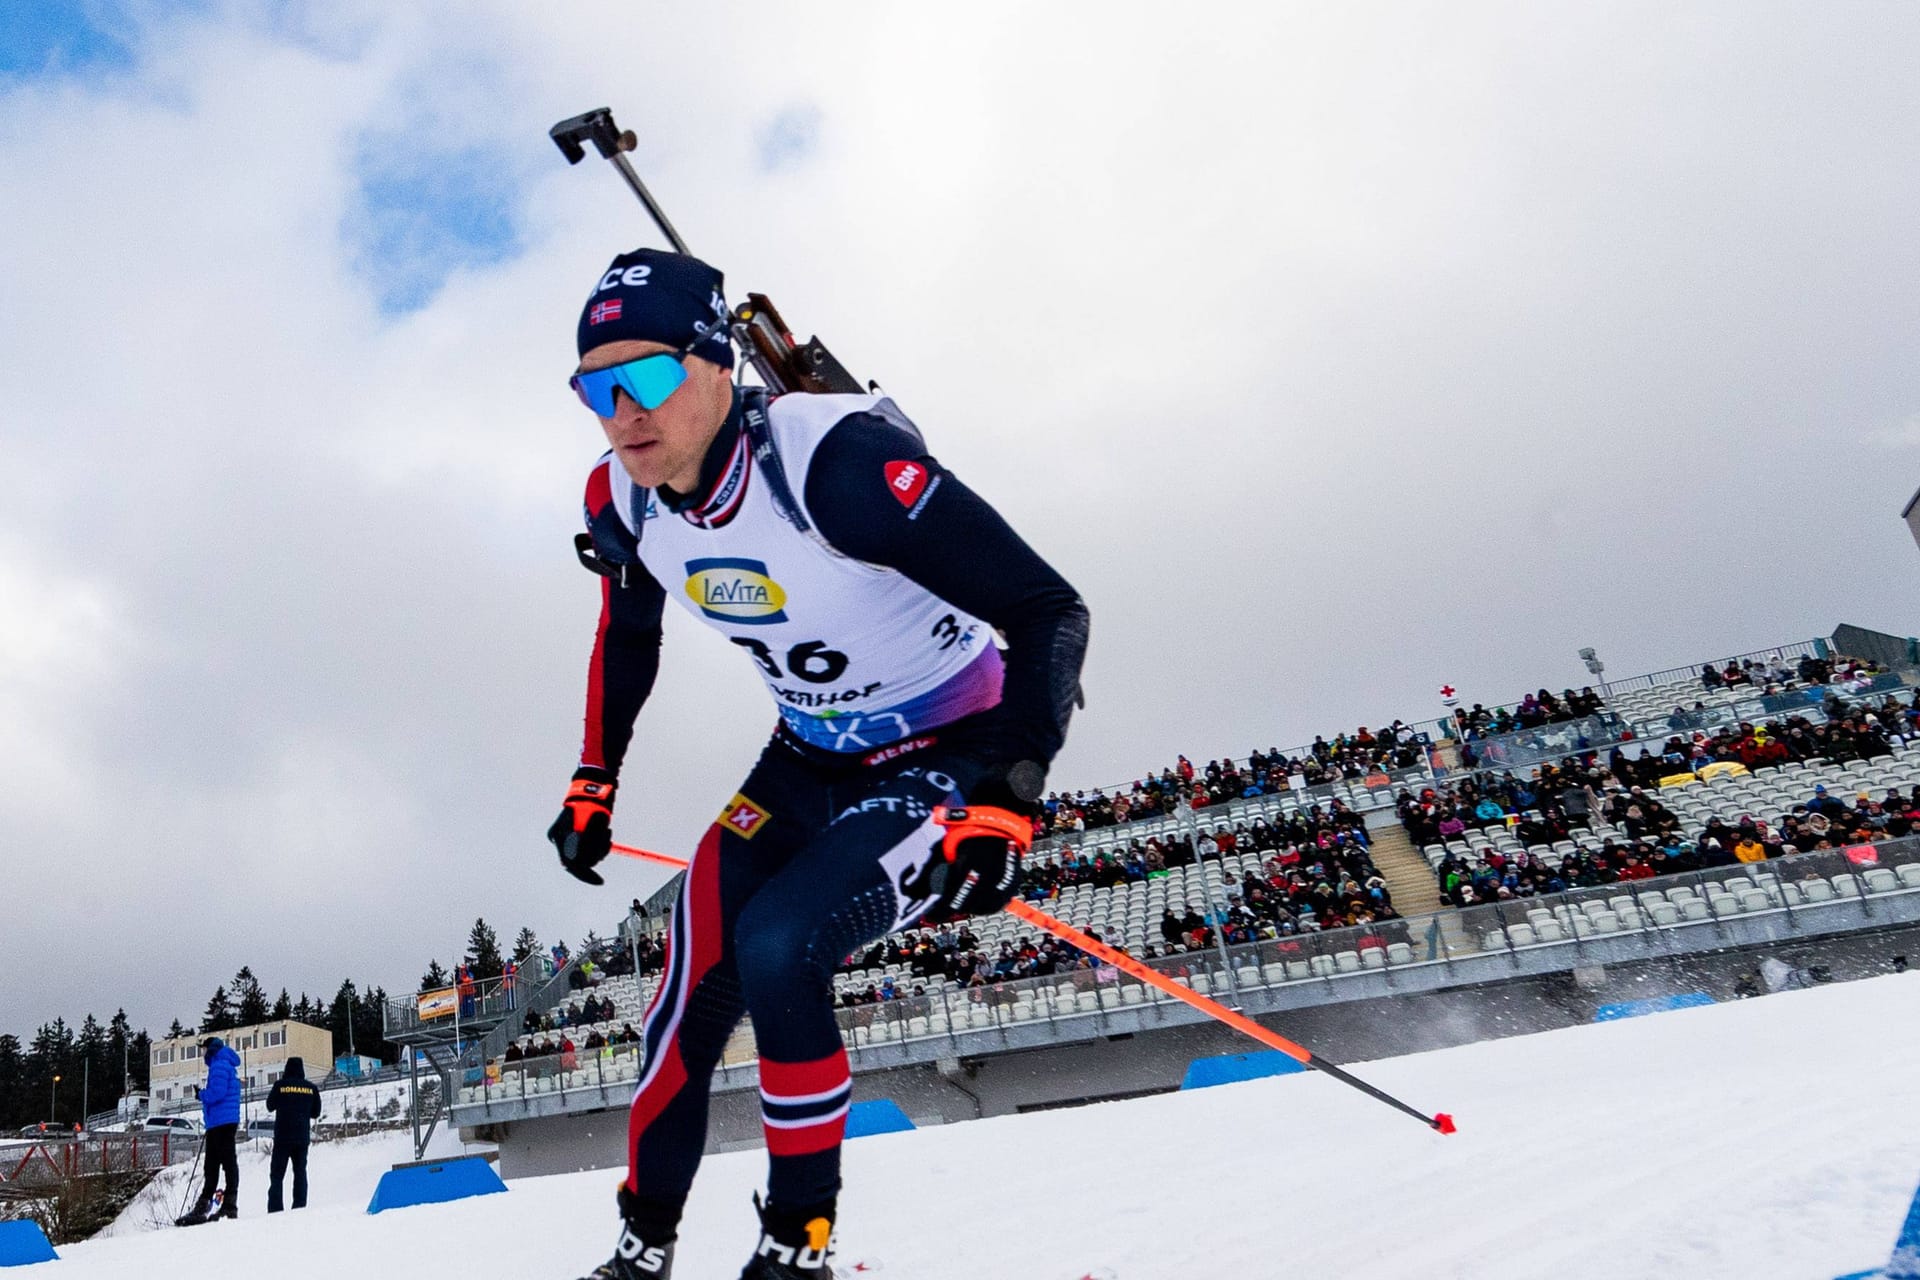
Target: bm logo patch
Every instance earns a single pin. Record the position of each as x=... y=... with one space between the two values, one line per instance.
x=731 y=590
x=743 y=817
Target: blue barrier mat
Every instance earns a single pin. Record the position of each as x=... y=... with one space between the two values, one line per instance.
x=22 y=1243
x=1231 y=1068
x=881 y=1115
x=435 y=1183
x=1656 y=1004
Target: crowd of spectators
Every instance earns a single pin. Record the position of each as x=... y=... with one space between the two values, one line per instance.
x=1182 y=785
x=1557 y=800
x=1534 y=711
x=1315 y=873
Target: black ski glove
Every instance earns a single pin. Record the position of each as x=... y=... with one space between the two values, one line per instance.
x=584 y=830
x=975 y=869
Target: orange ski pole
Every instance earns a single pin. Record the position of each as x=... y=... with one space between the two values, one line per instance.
x=1440 y=1122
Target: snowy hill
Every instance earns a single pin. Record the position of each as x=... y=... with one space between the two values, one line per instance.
x=1773 y=1138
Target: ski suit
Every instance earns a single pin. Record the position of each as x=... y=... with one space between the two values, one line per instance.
x=865 y=582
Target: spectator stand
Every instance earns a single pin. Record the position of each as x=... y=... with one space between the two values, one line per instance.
x=1494 y=835
x=453 y=1038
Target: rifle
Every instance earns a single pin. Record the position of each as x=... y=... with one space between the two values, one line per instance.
x=755 y=327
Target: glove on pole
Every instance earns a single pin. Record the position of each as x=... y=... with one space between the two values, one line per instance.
x=583 y=832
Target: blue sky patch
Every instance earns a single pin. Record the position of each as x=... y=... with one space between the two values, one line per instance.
x=420 y=215
x=786 y=141
x=61 y=37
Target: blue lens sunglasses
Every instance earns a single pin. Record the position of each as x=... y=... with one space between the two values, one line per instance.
x=648 y=380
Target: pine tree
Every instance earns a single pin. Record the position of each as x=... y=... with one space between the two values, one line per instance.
x=90 y=1059
x=282 y=1007
x=525 y=945
x=219 y=1014
x=434 y=977
x=13 y=1089
x=139 y=1061
x=175 y=1031
x=250 y=1002
x=305 y=1011
x=340 y=1018
x=484 y=946
x=120 y=1050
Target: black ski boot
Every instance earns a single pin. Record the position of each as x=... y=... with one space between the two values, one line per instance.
x=794 y=1244
x=645 y=1250
x=202 y=1209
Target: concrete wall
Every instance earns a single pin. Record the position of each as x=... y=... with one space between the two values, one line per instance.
x=965 y=1088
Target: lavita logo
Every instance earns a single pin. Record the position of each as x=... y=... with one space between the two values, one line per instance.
x=736 y=590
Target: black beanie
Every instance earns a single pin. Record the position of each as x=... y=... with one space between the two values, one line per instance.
x=651 y=295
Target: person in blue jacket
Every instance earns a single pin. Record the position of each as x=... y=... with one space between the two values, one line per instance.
x=220 y=1112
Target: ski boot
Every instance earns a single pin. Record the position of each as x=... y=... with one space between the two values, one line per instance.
x=794 y=1244
x=645 y=1250
x=201 y=1211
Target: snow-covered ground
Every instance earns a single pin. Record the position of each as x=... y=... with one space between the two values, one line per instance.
x=1775 y=1138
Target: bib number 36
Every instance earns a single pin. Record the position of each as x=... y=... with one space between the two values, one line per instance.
x=809 y=660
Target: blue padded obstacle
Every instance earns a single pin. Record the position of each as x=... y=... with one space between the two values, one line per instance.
x=882 y=1115
x=1905 y=1262
x=435 y=1183
x=1231 y=1068
x=1656 y=1004
x=23 y=1242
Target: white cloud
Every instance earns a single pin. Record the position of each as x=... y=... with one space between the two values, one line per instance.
x=1334 y=354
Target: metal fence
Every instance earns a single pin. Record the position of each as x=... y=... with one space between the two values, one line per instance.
x=45 y=1165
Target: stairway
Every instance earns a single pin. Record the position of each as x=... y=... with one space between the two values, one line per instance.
x=1413 y=886
x=1409 y=879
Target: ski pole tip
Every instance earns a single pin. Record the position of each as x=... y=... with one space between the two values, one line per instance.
x=1442 y=1122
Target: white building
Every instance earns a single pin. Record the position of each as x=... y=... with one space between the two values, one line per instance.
x=175 y=1067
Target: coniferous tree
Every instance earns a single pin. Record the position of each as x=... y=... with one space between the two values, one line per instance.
x=282 y=1007
x=13 y=1087
x=120 y=1050
x=219 y=1014
x=90 y=1062
x=250 y=1002
x=139 y=1060
x=526 y=944
x=175 y=1031
x=341 y=1019
x=434 y=977
x=483 y=945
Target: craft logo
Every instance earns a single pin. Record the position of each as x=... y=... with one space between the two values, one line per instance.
x=905 y=480
x=602 y=312
x=743 y=817
x=730 y=590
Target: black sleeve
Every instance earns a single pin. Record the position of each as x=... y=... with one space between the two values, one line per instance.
x=273 y=1097
x=945 y=537
x=626 y=658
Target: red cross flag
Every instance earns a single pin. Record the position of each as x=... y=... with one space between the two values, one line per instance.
x=1448 y=695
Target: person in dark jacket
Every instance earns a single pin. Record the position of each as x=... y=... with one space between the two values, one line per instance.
x=220 y=1112
x=295 y=1105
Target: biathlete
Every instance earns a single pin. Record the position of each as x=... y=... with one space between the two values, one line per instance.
x=866 y=583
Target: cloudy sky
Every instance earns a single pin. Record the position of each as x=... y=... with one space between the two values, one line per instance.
x=1334 y=352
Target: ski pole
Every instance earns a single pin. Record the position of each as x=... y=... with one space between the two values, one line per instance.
x=1439 y=1122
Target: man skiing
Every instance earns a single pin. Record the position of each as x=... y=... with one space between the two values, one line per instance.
x=865 y=582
